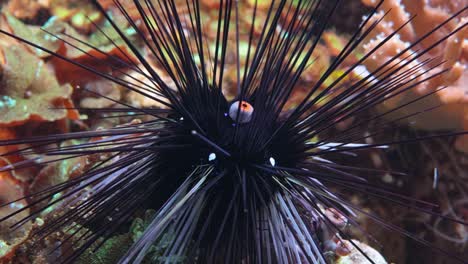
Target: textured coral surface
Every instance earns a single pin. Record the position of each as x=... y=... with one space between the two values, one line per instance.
x=453 y=84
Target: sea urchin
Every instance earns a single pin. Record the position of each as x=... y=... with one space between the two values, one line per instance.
x=230 y=179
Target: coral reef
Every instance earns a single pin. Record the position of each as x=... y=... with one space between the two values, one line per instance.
x=29 y=90
x=68 y=21
x=63 y=81
x=11 y=189
x=452 y=60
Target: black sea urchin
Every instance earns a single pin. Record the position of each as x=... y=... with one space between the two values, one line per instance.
x=230 y=179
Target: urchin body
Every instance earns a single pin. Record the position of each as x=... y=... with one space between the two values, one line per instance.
x=228 y=153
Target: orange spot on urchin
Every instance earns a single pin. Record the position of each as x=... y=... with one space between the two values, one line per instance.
x=241 y=111
x=246 y=107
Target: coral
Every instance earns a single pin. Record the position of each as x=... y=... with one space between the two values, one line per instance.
x=25 y=81
x=354 y=256
x=57 y=173
x=11 y=189
x=64 y=72
x=112 y=249
x=104 y=87
x=139 y=100
x=80 y=15
x=25 y=9
x=453 y=94
x=33 y=33
x=110 y=252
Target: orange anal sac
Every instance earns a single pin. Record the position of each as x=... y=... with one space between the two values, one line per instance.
x=242 y=114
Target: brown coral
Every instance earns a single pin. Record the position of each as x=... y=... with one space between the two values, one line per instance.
x=453 y=114
x=11 y=190
x=24 y=9
x=28 y=90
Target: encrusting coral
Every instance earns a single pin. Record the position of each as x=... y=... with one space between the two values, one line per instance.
x=10 y=189
x=26 y=81
x=451 y=57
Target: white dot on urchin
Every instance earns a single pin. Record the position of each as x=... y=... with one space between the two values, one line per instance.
x=211 y=157
x=272 y=161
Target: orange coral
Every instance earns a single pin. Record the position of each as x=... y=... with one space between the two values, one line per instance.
x=104 y=60
x=24 y=9
x=453 y=114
